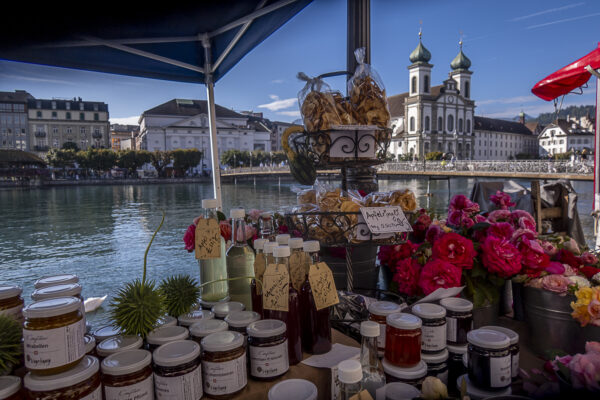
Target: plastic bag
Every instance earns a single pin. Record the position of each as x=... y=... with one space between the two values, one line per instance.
x=367 y=94
x=344 y=109
x=317 y=105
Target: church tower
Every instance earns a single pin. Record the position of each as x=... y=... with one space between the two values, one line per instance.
x=420 y=70
x=461 y=74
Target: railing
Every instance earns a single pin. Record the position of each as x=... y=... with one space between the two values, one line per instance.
x=584 y=167
x=241 y=170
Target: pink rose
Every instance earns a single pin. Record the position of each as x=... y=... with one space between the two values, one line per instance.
x=535 y=283
x=499 y=216
x=501 y=229
x=592 y=347
x=189 y=238
x=516 y=215
x=480 y=218
x=533 y=257
x=434 y=232
x=502 y=200
x=525 y=223
x=459 y=218
x=585 y=371
x=225 y=228
x=500 y=257
x=520 y=234
x=455 y=249
x=555 y=268
x=439 y=274
x=549 y=248
x=572 y=246
x=594 y=309
x=460 y=202
x=588 y=258
x=407 y=276
x=556 y=283
x=569 y=271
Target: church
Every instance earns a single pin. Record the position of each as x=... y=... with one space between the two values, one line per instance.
x=442 y=118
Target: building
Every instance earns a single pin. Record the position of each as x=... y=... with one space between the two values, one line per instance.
x=562 y=136
x=52 y=123
x=14 y=129
x=498 y=139
x=122 y=137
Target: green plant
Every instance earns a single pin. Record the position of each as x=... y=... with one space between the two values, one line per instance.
x=179 y=293
x=10 y=343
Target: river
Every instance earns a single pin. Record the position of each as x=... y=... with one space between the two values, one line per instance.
x=100 y=233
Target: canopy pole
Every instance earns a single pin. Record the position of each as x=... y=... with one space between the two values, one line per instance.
x=596 y=212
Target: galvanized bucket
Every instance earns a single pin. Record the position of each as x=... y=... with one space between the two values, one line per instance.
x=365 y=271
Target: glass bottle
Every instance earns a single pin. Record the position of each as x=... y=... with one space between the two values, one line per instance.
x=256 y=290
x=215 y=268
x=317 y=328
x=291 y=317
x=349 y=377
x=268 y=249
x=373 y=374
x=240 y=260
x=266 y=226
x=282 y=239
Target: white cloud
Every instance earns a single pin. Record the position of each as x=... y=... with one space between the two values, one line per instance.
x=508 y=100
x=273 y=97
x=290 y=113
x=277 y=81
x=562 y=20
x=125 y=120
x=550 y=10
x=34 y=79
x=279 y=104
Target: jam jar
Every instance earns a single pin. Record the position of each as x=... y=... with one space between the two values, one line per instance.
x=267 y=345
x=117 y=344
x=166 y=320
x=437 y=365
x=412 y=375
x=489 y=363
x=55 y=280
x=403 y=340
x=207 y=305
x=224 y=371
x=239 y=320
x=90 y=345
x=514 y=347
x=80 y=382
x=456 y=367
x=177 y=372
x=301 y=388
x=201 y=329
x=10 y=388
x=166 y=334
x=378 y=311
x=221 y=310
x=64 y=290
x=459 y=319
x=11 y=302
x=433 y=338
x=194 y=316
x=127 y=375
x=105 y=332
x=53 y=335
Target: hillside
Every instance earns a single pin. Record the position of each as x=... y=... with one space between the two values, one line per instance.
x=571 y=111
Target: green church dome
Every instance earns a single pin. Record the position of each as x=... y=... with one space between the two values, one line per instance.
x=460 y=61
x=420 y=54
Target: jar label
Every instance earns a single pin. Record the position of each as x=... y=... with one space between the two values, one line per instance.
x=269 y=361
x=451 y=329
x=183 y=387
x=14 y=312
x=143 y=390
x=95 y=395
x=433 y=338
x=515 y=365
x=50 y=348
x=381 y=337
x=500 y=370
x=224 y=377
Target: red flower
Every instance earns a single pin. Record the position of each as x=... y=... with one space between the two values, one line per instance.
x=438 y=274
x=190 y=238
x=533 y=257
x=501 y=200
x=390 y=255
x=499 y=216
x=225 y=228
x=455 y=249
x=566 y=257
x=433 y=233
x=588 y=258
x=501 y=229
x=460 y=218
x=500 y=257
x=407 y=276
x=460 y=202
x=589 y=271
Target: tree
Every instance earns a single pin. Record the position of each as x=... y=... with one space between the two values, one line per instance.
x=184 y=159
x=160 y=159
x=434 y=155
x=132 y=160
x=70 y=146
x=61 y=158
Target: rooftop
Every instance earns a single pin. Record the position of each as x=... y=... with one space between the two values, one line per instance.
x=18 y=96
x=499 y=125
x=185 y=107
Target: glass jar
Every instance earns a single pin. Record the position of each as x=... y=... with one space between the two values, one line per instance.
x=194 y=316
x=456 y=367
x=80 y=382
x=55 y=280
x=224 y=371
x=222 y=310
x=489 y=362
x=90 y=345
x=459 y=319
x=128 y=376
x=11 y=302
x=403 y=340
x=412 y=375
x=268 y=249
x=514 y=348
x=239 y=320
x=207 y=305
x=475 y=392
x=433 y=338
x=53 y=335
x=350 y=379
x=378 y=311
x=282 y=239
x=51 y=292
x=437 y=365
x=201 y=329
x=10 y=388
x=267 y=345
x=105 y=332
x=177 y=372
x=266 y=226
x=399 y=390
x=302 y=389
x=166 y=334
x=118 y=344
x=166 y=320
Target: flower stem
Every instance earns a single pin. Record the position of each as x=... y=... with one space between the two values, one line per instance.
x=231 y=279
x=149 y=244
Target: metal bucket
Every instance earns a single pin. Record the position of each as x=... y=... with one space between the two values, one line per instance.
x=486 y=315
x=365 y=270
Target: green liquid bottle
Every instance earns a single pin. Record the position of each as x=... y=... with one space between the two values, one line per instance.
x=215 y=268
x=240 y=260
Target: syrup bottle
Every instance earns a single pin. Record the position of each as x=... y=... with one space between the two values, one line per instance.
x=240 y=260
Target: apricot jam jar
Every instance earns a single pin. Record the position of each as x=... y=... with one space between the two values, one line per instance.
x=177 y=371
x=403 y=340
x=128 y=376
x=11 y=302
x=224 y=371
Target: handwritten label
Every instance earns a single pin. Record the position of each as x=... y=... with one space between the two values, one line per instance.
x=389 y=219
x=322 y=285
x=298 y=269
x=362 y=395
x=208 y=239
x=259 y=270
x=276 y=288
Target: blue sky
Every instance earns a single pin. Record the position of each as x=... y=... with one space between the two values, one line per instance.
x=511 y=44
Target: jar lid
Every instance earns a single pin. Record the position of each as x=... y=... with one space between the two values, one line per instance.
x=166 y=334
x=209 y=304
x=349 y=371
x=90 y=343
x=6 y=292
x=282 y=239
x=167 y=320
x=370 y=329
x=435 y=358
x=311 y=246
x=9 y=385
x=260 y=243
x=266 y=214
x=55 y=280
x=456 y=349
x=49 y=292
x=205 y=327
x=456 y=304
x=281 y=251
x=384 y=308
x=241 y=319
x=401 y=390
x=266 y=328
x=512 y=335
x=476 y=393
x=410 y=373
x=403 y=321
x=176 y=353
x=291 y=389
x=222 y=341
x=236 y=213
x=52 y=307
x=221 y=310
x=488 y=339
x=126 y=362
x=105 y=332
x=209 y=203
x=195 y=316
x=117 y=344
x=428 y=311
x=269 y=247
x=296 y=243
x=86 y=368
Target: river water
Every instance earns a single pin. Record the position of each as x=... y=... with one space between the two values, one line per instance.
x=100 y=233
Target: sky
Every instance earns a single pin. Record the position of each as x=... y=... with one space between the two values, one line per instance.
x=511 y=44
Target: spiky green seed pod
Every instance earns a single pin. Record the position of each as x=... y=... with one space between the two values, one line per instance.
x=137 y=307
x=11 y=348
x=179 y=294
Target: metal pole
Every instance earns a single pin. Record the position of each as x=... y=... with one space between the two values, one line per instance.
x=359 y=31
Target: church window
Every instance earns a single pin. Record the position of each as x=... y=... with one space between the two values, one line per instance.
x=440 y=126
x=467 y=89
x=468 y=126
x=413 y=85
x=412 y=124
x=460 y=125
x=427 y=124
x=426 y=84
x=450 y=123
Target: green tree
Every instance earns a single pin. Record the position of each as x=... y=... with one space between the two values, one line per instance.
x=132 y=160
x=70 y=146
x=160 y=159
x=61 y=158
x=434 y=155
x=184 y=159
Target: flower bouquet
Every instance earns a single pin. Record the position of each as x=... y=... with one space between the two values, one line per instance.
x=579 y=374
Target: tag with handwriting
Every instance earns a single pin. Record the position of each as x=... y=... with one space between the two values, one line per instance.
x=298 y=269
x=322 y=285
x=390 y=219
x=276 y=288
x=362 y=395
x=259 y=270
x=208 y=239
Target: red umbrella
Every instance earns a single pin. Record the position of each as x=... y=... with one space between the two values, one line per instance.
x=567 y=78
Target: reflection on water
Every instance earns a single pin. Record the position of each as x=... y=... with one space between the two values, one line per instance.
x=100 y=233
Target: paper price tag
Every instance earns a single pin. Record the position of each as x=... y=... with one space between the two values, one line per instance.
x=363 y=395
x=259 y=270
x=298 y=270
x=322 y=285
x=208 y=239
x=389 y=219
x=276 y=288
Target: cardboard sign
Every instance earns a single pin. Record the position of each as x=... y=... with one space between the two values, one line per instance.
x=363 y=395
x=259 y=270
x=276 y=288
x=208 y=239
x=298 y=269
x=322 y=285
x=389 y=219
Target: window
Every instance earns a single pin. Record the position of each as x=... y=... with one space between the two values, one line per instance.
x=460 y=125
x=440 y=126
x=81 y=116
x=69 y=131
x=38 y=104
x=427 y=124
x=82 y=130
x=54 y=105
x=426 y=84
x=38 y=114
x=413 y=85
x=55 y=130
x=95 y=107
x=81 y=106
x=96 y=117
x=68 y=105
x=450 y=123
x=468 y=126
x=54 y=116
x=412 y=124
x=68 y=115
x=467 y=89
